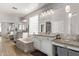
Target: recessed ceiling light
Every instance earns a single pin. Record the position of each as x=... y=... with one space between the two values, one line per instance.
x=26 y=9
x=14 y=8
x=48 y=12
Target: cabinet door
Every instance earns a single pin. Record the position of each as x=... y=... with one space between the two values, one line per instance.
x=62 y=51
x=49 y=48
x=37 y=43
x=46 y=46
x=73 y=53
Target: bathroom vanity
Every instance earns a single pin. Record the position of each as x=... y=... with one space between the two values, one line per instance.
x=66 y=48
x=25 y=45
x=43 y=43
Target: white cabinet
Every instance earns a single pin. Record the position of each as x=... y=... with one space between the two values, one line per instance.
x=37 y=42
x=44 y=44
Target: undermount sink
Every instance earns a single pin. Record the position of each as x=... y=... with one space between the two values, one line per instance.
x=26 y=40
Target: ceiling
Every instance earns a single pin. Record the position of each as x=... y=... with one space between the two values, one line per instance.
x=19 y=9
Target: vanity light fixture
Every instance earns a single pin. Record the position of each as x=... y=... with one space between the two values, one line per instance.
x=42 y=14
x=52 y=11
x=45 y=13
x=67 y=8
x=48 y=12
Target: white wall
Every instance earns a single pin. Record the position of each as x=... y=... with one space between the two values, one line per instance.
x=60 y=16
x=75 y=24
x=5 y=19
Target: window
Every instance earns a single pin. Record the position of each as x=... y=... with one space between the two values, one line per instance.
x=33 y=25
x=20 y=27
x=23 y=27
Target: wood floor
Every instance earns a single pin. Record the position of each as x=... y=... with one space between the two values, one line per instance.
x=8 y=48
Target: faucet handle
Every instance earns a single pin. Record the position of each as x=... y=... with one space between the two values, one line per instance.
x=58 y=36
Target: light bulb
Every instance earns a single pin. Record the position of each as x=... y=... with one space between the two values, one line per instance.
x=67 y=8
x=45 y=13
x=70 y=15
x=52 y=12
x=42 y=14
x=48 y=12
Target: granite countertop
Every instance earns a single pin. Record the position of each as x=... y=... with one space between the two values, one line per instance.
x=25 y=40
x=71 y=44
x=45 y=35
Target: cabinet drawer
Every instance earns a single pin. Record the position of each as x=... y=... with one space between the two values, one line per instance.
x=61 y=51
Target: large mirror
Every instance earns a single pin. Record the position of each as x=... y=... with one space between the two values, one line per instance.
x=48 y=27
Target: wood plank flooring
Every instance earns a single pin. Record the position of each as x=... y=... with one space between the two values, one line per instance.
x=8 y=48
